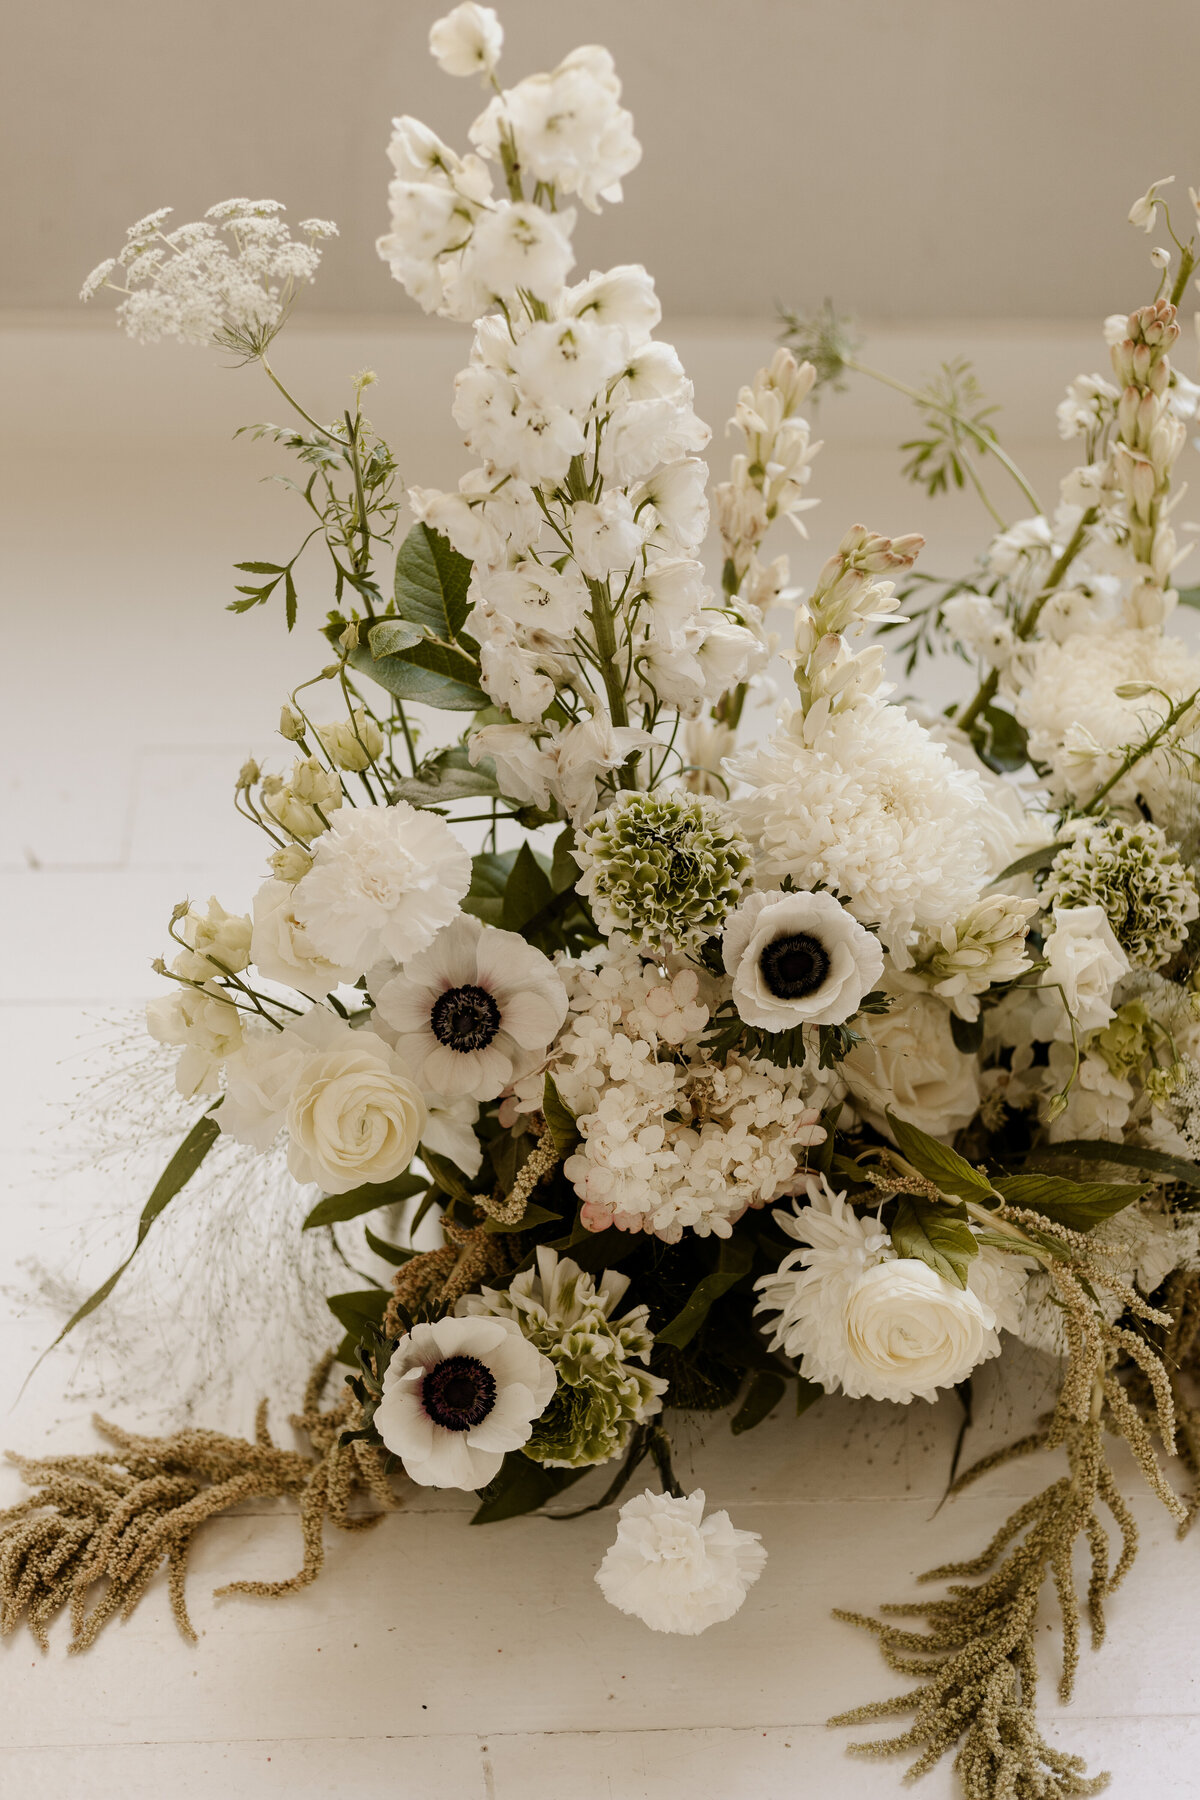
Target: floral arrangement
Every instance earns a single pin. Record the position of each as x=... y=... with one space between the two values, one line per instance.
x=689 y=1063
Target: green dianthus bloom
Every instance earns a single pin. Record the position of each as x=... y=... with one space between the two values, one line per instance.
x=602 y=1393
x=1134 y=872
x=665 y=869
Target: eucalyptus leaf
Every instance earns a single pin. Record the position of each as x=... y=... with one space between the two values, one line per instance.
x=431 y=673
x=950 y=1172
x=937 y=1235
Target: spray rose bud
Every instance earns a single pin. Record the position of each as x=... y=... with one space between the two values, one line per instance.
x=315 y=785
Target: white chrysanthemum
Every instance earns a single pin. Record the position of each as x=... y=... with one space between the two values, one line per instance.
x=676 y=1570
x=670 y=1142
x=475 y=1009
x=1079 y=726
x=876 y=1325
x=865 y=803
x=384 y=880
x=457 y=1395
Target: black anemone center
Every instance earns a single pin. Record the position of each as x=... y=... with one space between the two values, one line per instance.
x=465 y=1018
x=458 y=1393
x=794 y=967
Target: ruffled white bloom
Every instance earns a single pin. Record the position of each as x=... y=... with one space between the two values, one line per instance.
x=458 y=1395
x=467 y=41
x=514 y=247
x=1085 y=964
x=383 y=881
x=571 y=133
x=868 y=804
x=909 y=1064
x=875 y=1325
x=524 y=771
x=476 y=1009
x=282 y=950
x=798 y=959
x=206 y=1027
x=675 y=1569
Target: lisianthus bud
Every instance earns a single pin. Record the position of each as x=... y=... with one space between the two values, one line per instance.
x=291 y=725
x=352 y=743
x=291 y=864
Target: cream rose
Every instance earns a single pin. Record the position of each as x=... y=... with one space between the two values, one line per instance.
x=353 y=1116
x=282 y=950
x=910 y=1333
x=909 y=1064
x=1086 y=962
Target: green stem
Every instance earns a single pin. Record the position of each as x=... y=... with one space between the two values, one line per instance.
x=986 y=443
x=1187 y=262
x=293 y=402
x=360 y=497
x=1134 y=756
x=1025 y=625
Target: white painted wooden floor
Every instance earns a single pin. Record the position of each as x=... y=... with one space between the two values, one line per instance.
x=431 y=1659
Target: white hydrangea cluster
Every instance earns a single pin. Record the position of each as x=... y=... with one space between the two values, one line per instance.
x=672 y=1140
x=195 y=284
x=587 y=507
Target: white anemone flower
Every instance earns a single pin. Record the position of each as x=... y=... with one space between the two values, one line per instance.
x=475 y=1010
x=384 y=880
x=799 y=959
x=676 y=1570
x=457 y=1395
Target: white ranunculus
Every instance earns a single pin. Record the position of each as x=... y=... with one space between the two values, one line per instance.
x=1086 y=962
x=912 y=1333
x=281 y=949
x=384 y=880
x=353 y=1115
x=675 y=1569
x=467 y=41
x=798 y=959
x=474 y=1011
x=457 y=1395
x=909 y=1063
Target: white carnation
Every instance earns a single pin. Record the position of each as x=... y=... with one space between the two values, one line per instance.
x=676 y=1570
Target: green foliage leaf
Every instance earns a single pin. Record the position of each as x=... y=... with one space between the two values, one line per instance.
x=450 y=1179
x=430 y=673
x=447 y=777
x=766 y=1390
x=1077 y=1204
x=807 y=1394
x=938 y=1235
x=390 y=636
x=1155 y=1162
x=334 y=1208
x=1000 y=741
x=178 y=1172
x=734 y=1262
x=533 y=1215
x=950 y=1172
x=431 y=583
x=564 y=870
x=1031 y=863
x=490 y=871
x=967 y=1034
x=395 y=1254
x=527 y=892
x=360 y=1311
x=521 y=1487
x=559 y=1118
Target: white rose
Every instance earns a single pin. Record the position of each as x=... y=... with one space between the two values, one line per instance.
x=910 y=1064
x=217 y=940
x=258 y=1085
x=798 y=959
x=353 y=1115
x=282 y=950
x=910 y=1333
x=1086 y=962
x=676 y=1570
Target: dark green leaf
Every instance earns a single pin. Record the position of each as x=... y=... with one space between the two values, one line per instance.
x=429 y=673
x=431 y=583
x=807 y=1394
x=528 y=890
x=766 y=1390
x=391 y=636
x=559 y=1118
x=289 y=600
x=391 y=1253
x=1077 y=1204
x=533 y=1215
x=950 y=1172
x=1189 y=596
x=260 y=568
x=967 y=1034
x=1000 y=741
x=736 y=1257
x=450 y=1179
x=1155 y=1162
x=360 y=1311
x=564 y=870
x=521 y=1487
x=336 y=1207
x=938 y=1235
x=490 y=871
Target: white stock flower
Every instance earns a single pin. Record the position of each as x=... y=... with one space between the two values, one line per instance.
x=458 y=1395
x=1085 y=963
x=353 y=1115
x=798 y=959
x=675 y=1569
x=909 y=1064
x=476 y=1009
x=383 y=881
x=467 y=41
x=281 y=949
x=524 y=771
x=861 y=1319
x=605 y=536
